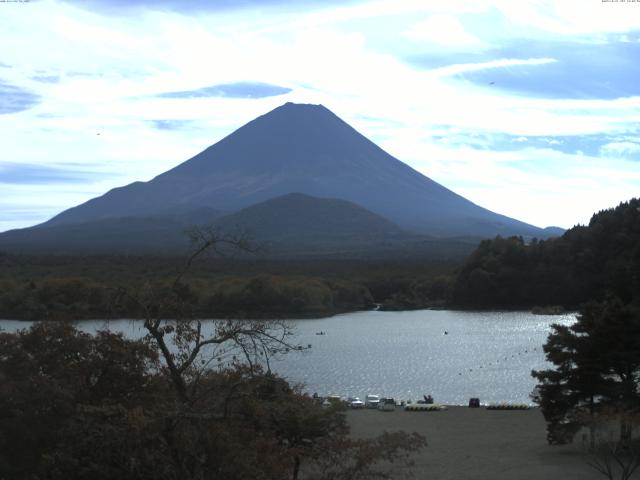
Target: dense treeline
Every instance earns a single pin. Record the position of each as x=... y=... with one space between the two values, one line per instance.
x=263 y=296
x=584 y=264
x=52 y=287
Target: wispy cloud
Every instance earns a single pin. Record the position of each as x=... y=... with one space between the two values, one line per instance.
x=21 y=217
x=32 y=174
x=84 y=74
x=594 y=145
x=605 y=70
x=443 y=30
x=194 y=6
x=23 y=214
x=555 y=187
x=458 y=69
x=22 y=206
x=231 y=90
x=16 y=99
x=171 y=124
x=46 y=78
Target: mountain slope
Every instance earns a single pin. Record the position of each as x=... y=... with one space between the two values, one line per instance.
x=297 y=217
x=291 y=226
x=308 y=149
x=162 y=234
x=294 y=221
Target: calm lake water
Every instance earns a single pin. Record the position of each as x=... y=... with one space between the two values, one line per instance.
x=488 y=355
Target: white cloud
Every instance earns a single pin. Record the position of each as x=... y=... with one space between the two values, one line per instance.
x=571 y=17
x=27 y=205
x=620 y=149
x=443 y=30
x=540 y=186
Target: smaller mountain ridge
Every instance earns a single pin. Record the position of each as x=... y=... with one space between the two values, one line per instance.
x=550 y=232
x=294 y=222
x=299 y=217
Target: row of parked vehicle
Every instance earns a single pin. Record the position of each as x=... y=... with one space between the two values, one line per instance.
x=370 y=401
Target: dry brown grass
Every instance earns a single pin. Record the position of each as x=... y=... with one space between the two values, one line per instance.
x=479 y=444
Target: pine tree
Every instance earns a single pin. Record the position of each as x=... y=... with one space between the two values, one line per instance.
x=596 y=365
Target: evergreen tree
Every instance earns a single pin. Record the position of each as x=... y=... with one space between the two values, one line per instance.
x=596 y=365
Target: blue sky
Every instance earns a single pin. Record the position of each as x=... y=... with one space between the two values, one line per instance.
x=528 y=108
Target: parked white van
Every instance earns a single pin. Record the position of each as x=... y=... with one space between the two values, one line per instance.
x=371 y=401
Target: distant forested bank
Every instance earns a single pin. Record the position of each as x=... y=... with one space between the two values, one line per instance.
x=57 y=287
x=586 y=263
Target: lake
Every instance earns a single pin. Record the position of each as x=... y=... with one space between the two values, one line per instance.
x=488 y=355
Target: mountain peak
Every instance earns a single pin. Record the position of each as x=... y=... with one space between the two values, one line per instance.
x=297 y=116
x=302 y=148
x=292 y=139
x=302 y=106
x=295 y=111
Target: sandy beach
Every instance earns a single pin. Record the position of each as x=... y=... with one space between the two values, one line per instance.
x=479 y=444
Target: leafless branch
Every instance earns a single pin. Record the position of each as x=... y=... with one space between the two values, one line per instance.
x=181 y=339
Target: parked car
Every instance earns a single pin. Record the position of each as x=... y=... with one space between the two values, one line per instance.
x=387 y=404
x=355 y=402
x=371 y=401
x=331 y=400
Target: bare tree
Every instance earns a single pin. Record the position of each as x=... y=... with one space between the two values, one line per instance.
x=190 y=346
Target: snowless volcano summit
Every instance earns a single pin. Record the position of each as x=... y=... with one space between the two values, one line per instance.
x=305 y=149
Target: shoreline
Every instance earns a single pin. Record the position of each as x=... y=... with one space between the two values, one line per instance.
x=308 y=316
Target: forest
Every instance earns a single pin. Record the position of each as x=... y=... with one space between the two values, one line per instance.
x=586 y=263
x=87 y=287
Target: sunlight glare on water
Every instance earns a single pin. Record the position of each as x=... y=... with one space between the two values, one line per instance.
x=488 y=355
x=407 y=354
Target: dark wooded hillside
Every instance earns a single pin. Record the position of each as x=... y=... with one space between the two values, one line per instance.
x=585 y=263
